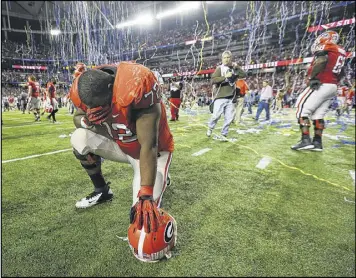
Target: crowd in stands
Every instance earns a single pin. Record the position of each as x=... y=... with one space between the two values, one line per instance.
x=179 y=34
x=198 y=88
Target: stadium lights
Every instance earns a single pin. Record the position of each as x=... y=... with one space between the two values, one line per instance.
x=184 y=7
x=55 y=32
x=144 y=19
x=140 y=20
x=125 y=24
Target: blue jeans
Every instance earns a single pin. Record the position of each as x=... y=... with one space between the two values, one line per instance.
x=263 y=104
x=249 y=106
x=226 y=107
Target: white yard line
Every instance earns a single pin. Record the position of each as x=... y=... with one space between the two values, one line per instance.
x=36 y=155
x=201 y=152
x=13 y=119
x=34 y=124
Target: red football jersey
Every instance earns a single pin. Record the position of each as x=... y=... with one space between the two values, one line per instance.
x=135 y=87
x=51 y=89
x=350 y=94
x=336 y=61
x=342 y=91
x=35 y=88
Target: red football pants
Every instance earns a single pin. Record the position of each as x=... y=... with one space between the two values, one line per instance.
x=175 y=104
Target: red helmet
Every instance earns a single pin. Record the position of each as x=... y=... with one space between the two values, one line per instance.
x=153 y=246
x=328 y=37
x=49 y=109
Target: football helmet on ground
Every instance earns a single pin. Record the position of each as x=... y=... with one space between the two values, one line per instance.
x=153 y=246
x=49 y=109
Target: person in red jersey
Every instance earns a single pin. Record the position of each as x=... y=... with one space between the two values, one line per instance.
x=175 y=99
x=121 y=118
x=34 y=96
x=324 y=74
x=52 y=100
x=44 y=102
x=11 y=102
x=350 y=99
x=341 y=100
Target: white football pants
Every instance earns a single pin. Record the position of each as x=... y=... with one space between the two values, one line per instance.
x=315 y=103
x=86 y=141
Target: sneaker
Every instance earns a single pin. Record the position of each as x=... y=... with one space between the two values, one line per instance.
x=95 y=198
x=318 y=146
x=209 y=132
x=304 y=144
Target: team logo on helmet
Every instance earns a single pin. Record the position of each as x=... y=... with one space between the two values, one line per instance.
x=169 y=232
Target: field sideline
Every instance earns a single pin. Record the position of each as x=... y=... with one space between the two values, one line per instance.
x=295 y=217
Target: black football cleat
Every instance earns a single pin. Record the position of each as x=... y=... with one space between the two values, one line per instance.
x=318 y=146
x=95 y=198
x=304 y=144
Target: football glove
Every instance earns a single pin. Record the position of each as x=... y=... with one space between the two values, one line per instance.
x=314 y=84
x=145 y=212
x=99 y=114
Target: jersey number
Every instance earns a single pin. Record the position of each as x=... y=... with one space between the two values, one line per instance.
x=120 y=136
x=339 y=64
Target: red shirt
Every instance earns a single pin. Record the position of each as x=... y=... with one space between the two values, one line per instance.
x=342 y=91
x=242 y=85
x=51 y=89
x=135 y=87
x=350 y=94
x=336 y=60
x=35 y=88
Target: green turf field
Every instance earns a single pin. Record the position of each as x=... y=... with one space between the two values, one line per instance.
x=296 y=217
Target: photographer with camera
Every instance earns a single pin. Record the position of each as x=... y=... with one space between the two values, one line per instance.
x=224 y=93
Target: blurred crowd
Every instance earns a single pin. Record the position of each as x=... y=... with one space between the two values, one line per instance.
x=195 y=88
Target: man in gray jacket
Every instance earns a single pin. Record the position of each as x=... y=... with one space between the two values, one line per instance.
x=225 y=95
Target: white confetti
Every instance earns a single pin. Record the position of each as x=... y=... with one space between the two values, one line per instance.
x=263 y=163
x=352 y=173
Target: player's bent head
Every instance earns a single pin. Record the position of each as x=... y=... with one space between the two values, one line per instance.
x=95 y=87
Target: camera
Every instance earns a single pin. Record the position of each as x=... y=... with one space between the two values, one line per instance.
x=233 y=78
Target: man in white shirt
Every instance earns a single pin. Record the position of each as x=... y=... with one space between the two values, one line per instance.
x=265 y=97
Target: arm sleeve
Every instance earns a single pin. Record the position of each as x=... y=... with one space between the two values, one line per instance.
x=216 y=76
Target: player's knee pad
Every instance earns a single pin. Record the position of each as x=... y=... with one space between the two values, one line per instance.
x=89 y=161
x=303 y=121
x=319 y=124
